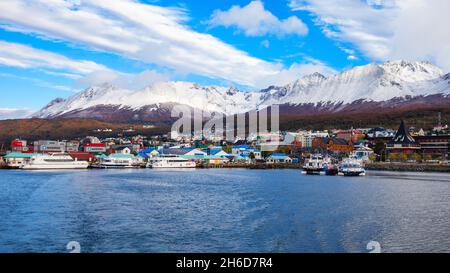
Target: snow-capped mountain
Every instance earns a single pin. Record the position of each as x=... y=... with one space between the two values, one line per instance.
x=373 y=83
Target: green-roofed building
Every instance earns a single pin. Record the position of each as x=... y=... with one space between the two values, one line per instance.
x=16 y=160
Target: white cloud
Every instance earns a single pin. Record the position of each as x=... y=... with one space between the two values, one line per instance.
x=124 y=80
x=39 y=82
x=86 y=73
x=18 y=55
x=255 y=20
x=11 y=113
x=138 y=31
x=298 y=70
x=387 y=29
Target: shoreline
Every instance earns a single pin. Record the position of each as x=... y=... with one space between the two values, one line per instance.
x=375 y=166
x=407 y=167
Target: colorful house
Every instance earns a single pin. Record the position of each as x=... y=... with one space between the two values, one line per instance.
x=217 y=151
x=148 y=153
x=246 y=150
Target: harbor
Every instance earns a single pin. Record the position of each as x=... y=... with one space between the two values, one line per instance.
x=341 y=152
x=222 y=210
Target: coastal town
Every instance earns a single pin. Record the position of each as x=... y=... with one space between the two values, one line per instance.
x=374 y=148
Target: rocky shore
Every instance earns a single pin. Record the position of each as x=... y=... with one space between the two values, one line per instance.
x=408 y=167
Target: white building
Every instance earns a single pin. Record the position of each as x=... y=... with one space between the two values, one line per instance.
x=278 y=158
x=306 y=137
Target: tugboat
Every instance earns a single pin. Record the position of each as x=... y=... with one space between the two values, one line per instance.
x=313 y=165
x=351 y=167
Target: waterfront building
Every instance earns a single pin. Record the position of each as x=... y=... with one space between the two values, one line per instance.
x=216 y=159
x=278 y=158
x=241 y=159
x=16 y=160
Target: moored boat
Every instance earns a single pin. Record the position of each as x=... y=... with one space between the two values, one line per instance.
x=117 y=161
x=330 y=169
x=313 y=165
x=54 y=161
x=351 y=167
x=170 y=161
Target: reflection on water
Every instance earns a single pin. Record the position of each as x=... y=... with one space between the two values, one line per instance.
x=222 y=210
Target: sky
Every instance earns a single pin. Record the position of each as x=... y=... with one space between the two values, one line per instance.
x=54 y=48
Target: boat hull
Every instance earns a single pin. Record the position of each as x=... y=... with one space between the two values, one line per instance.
x=331 y=172
x=170 y=166
x=312 y=171
x=55 y=167
x=352 y=173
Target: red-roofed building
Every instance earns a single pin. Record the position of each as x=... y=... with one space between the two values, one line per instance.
x=18 y=145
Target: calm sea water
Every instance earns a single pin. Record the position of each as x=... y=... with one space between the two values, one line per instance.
x=222 y=210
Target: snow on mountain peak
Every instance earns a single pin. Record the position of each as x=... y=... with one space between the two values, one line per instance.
x=372 y=82
x=413 y=71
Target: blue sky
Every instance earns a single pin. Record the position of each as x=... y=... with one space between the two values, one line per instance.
x=51 y=49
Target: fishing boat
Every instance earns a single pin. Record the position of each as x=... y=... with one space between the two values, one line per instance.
x=351 y=167
x=170 y=161
x=54 y=161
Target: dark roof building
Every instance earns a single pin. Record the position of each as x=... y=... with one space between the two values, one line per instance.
x=402 y=142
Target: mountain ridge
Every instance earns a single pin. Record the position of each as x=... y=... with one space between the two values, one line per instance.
x=366 y=84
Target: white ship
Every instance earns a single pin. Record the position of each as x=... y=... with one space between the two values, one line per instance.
x=351 y=167
x=54 y=161
x=313 y=165
x=170 y=161
x=117 y=161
